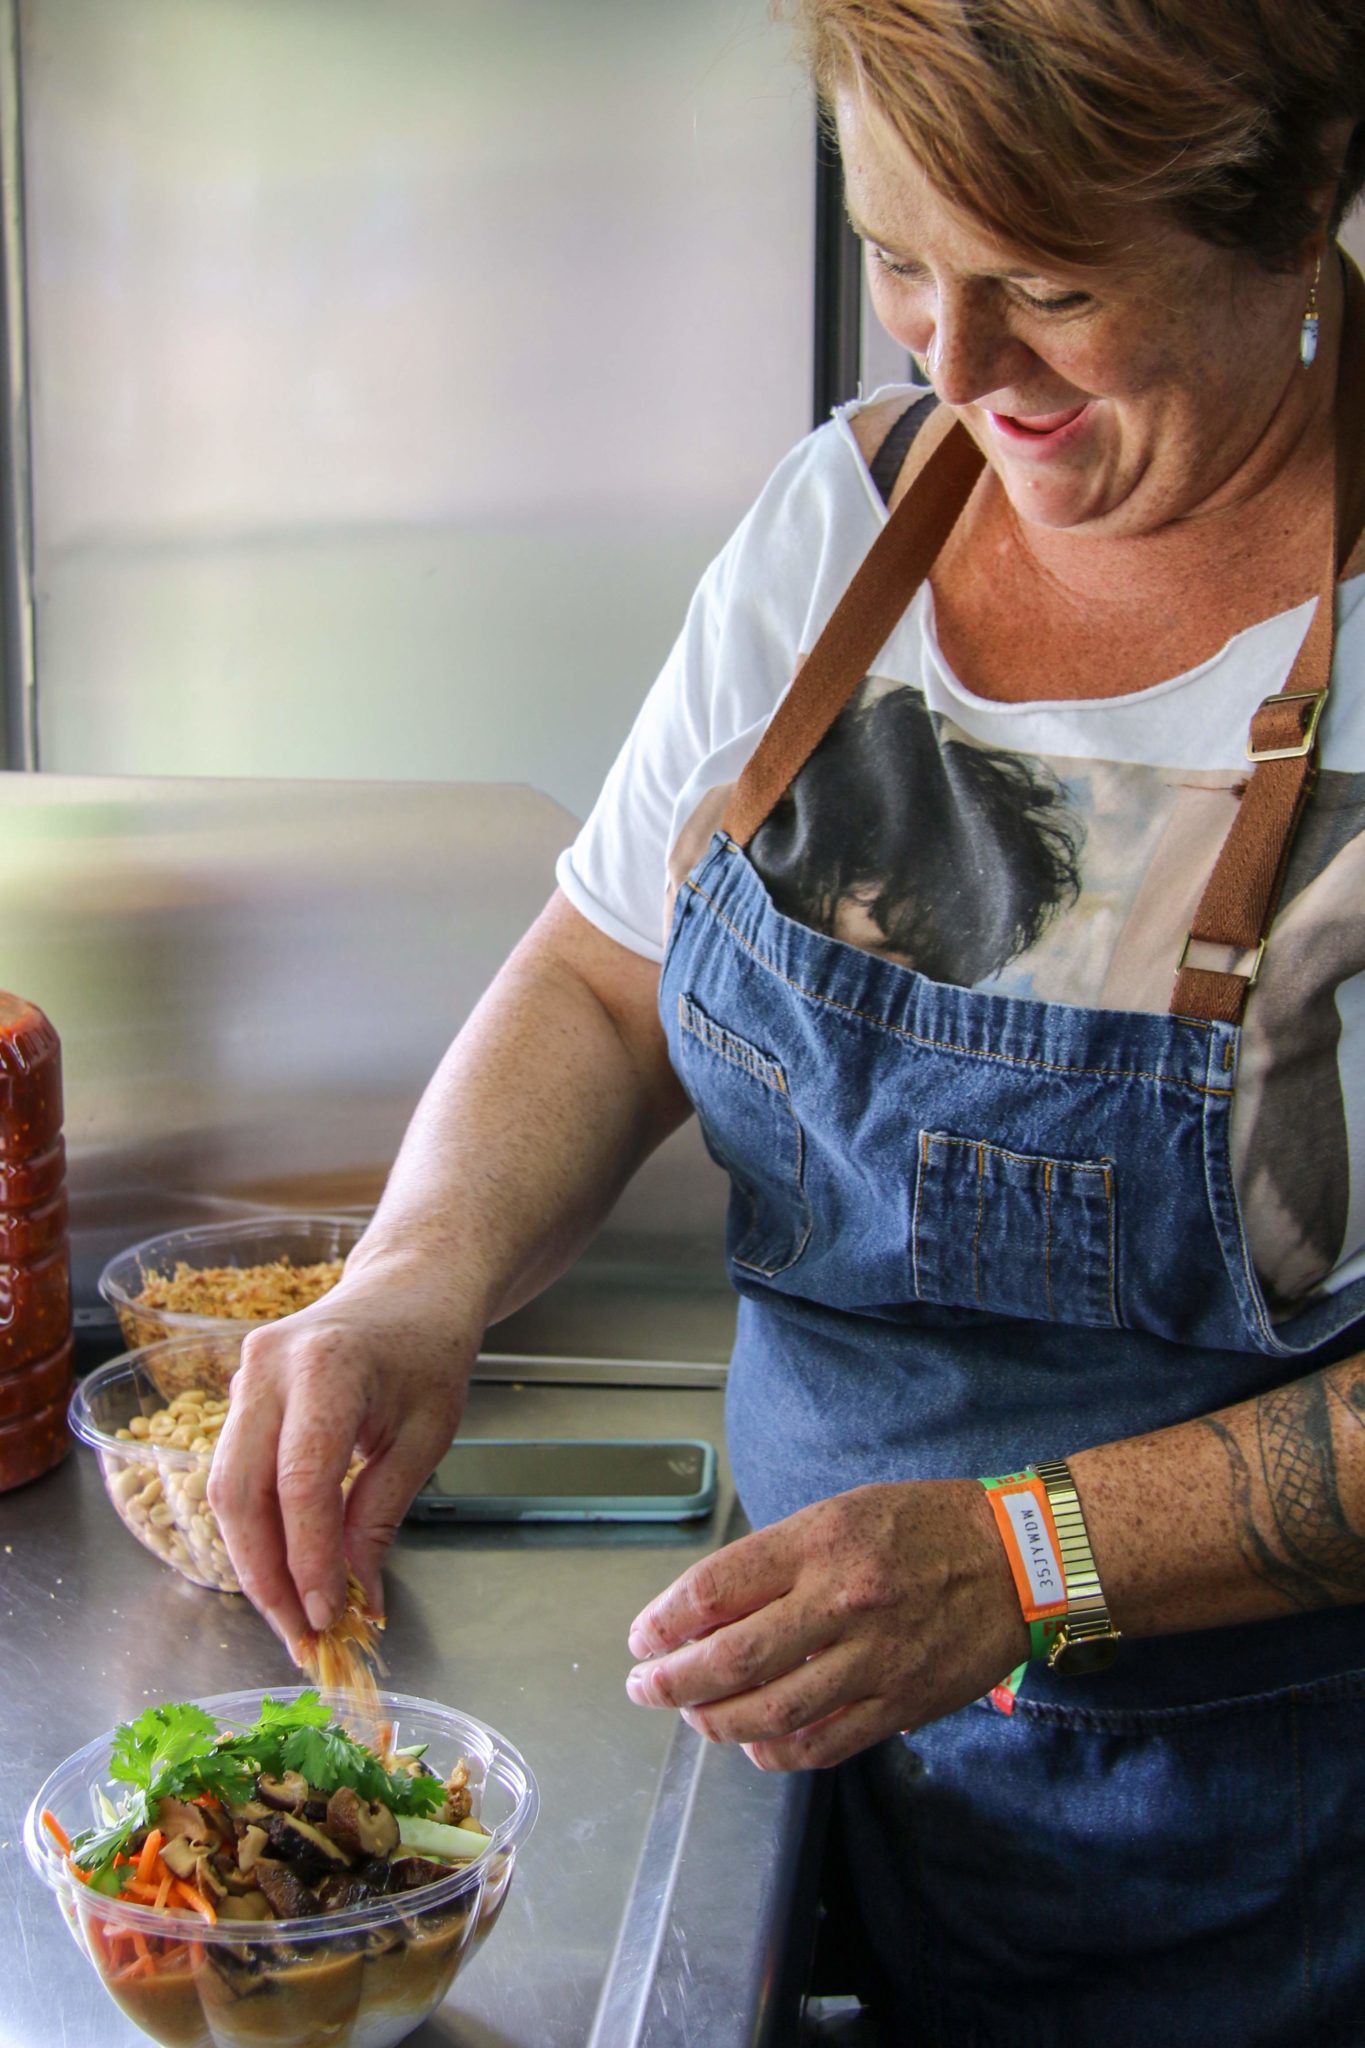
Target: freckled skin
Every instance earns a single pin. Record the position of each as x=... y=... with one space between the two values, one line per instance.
x=892 y=1604
x=1192 y=499
x=1189 y=502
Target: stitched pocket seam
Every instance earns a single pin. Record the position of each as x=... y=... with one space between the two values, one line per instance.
x=747 y=1058
x=1101 y=1237
x=727 y=1046
x=975 y=1052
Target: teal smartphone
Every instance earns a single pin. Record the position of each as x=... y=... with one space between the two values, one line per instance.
x=624 y=1479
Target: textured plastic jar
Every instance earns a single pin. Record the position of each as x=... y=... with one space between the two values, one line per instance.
x=35 y=1262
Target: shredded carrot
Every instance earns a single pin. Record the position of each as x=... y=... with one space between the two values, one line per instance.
x=56 y=1830
x=151 y=1849
x=144 y=1892
x=196 y=1954
x=344 y=1658
x=163 y=1890
x=197 y=1900
x=83 y=1876
x=140 y=1948
x=141 y=1966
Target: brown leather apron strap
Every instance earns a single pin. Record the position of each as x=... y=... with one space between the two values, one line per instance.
x=1241 y=895
x=1239 y=900
x=891 y=572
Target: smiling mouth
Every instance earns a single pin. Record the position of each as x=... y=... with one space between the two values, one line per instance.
x=1040 y=423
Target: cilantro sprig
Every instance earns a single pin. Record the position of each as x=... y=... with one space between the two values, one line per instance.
x=176 y=1751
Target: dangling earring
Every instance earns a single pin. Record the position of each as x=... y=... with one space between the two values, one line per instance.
x=1308 y=331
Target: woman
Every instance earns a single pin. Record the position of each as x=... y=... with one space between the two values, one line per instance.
x=1000 y=1196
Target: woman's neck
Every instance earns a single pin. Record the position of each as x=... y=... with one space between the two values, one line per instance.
x=1277 y=499
x=1030 y=611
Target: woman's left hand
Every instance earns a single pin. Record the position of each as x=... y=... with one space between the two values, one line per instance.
x=867 y=1614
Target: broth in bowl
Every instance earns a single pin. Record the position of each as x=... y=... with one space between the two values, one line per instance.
x=262 y=1875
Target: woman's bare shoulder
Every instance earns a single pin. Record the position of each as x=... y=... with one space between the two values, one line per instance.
x=871 y=423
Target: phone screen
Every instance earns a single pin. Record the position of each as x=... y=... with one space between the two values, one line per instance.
x=570 y=1471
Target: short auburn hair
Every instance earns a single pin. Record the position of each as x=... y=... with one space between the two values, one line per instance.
x=1048 y=119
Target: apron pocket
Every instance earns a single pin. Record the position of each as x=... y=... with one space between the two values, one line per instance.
x=1013 y=1232
x=750 y=1128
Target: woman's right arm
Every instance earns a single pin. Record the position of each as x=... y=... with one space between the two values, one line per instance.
x=555 y=1091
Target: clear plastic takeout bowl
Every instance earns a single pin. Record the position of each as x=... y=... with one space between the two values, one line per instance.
x=171 y=1398
x=244 y=1241
x=159 y=1489
x=359 y=1979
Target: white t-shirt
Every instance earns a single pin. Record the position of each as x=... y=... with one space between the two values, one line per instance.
x=1053 y=849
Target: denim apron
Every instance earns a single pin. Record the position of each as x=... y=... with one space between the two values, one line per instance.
x=970 y=1231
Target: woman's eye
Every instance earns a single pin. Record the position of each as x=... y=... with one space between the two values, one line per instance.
x=891 y=265
x=1041 y=302
x=1057 y=302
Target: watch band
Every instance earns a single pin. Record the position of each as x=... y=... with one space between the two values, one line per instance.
x=1088 y=1622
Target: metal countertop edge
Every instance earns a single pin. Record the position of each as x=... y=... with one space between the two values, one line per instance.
x=719 y=1923
x=499 y=1367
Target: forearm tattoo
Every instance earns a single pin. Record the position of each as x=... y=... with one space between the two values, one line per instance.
x=1286 y=1464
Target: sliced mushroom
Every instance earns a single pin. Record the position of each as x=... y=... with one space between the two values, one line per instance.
x=237 y=1965
x=288 y=1794
x=251 y=1848
x=220 y=1823
x=251 y=1810
x=183 y=1857
x=382 y=1941
x=409 y=1872
x=305 y=1848
x=365 y=1827
x=178 y=1817
x=244 y=1906
x=290 y=1899
x=208 y=1881
x=357 y=1888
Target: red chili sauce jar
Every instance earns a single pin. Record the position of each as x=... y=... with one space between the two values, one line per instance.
x=35 y=1262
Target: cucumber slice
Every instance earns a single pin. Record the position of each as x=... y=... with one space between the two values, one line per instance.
x=438 y=1838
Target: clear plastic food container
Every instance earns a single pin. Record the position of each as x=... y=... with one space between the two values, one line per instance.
x=359 y=1979
x=243 y=1242
x=152 y=1417
x=158 y=1482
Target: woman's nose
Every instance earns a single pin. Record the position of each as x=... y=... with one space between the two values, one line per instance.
x=970 y=352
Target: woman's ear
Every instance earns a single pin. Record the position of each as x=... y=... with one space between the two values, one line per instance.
x=1344 y=149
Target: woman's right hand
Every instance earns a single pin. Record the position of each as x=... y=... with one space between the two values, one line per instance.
x=555 y=1090
x=379 y=1365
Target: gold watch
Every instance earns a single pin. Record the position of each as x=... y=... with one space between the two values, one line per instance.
x=1087 y=1639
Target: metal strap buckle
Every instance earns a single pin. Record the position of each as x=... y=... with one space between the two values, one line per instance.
x=1317 y=698
x=1191 y=940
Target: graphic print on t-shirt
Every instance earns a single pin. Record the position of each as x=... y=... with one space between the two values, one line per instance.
x=1074 y=881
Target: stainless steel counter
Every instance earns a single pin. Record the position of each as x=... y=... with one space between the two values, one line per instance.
x=652 y=1905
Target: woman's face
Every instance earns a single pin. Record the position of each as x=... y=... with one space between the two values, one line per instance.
x=1110 y=401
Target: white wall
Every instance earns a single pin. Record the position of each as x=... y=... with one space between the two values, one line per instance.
x=397 y=369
